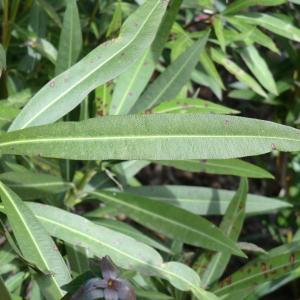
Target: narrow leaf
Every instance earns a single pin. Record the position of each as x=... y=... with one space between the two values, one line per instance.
x=133 y=81
x=206 y=201
x=67 y=90
x=153 y=137
x=35 y=244
x=171 y=81
x=169 y=220
x=210 y=267
x=234 y=167
x=273 y=24
x=239 y=73
x=259 y=68
x=70 y=42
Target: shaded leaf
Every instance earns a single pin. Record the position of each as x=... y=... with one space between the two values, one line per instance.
x=205 y=201
x=169 y=220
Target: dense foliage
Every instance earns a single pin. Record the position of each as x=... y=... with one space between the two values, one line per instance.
x=121 y=146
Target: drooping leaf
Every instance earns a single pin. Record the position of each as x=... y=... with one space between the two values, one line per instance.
x=153 y=137
x=70 y=42
x=68 y=89
x=171 y=81
x=206 y=201
x=234 y=167
x=125 y=251
x=35 y=244
x=169 y=220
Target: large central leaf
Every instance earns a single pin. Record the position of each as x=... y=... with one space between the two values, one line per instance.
x=154 y=137
x=106 y=62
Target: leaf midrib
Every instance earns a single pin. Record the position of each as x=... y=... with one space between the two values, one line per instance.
x=31 y=237
x=201 y=233
x=137 y=137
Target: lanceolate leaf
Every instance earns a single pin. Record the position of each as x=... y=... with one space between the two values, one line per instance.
x=70 y=42
x=133 y=81
x=125 y=251
x=153 y=137
x=30 y=185
x=106 y=62
x=259 y=68
x=239 y=5
x=235 y=167
x=171 y=81
x=239 y=73
x=205 y=201
x=263 y=269
x=211 y=267
x=37 y=246
x=273 y=24
x=170 y=220
x=190 y=105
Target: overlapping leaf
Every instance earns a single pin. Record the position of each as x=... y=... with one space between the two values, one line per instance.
x=67 y=90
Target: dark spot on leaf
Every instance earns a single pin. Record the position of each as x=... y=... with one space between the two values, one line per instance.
x=273 y=146
x=52 y=83
x=263 y=267
x=292 y=259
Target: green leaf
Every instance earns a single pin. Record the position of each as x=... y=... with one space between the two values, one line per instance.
x=258 y=66
x=133 y=81
x=190 y=105
x=5 y=294
x=211 y=267
x=219 y=31
x=35 y=244
x=130 y=231
x=239 y=73
x=206 y=201
x=239 y=5
x=265 y=268
x=30 y=185
x=50 y=11
x=67 y=90
x=125 y=251
x=271 y=23
x=153 y=137
x=70 y=42
x=210 y=68
x=116 y=21
x=256 y=35
x=171 y=81
x=169 y=220
x=234 y=167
